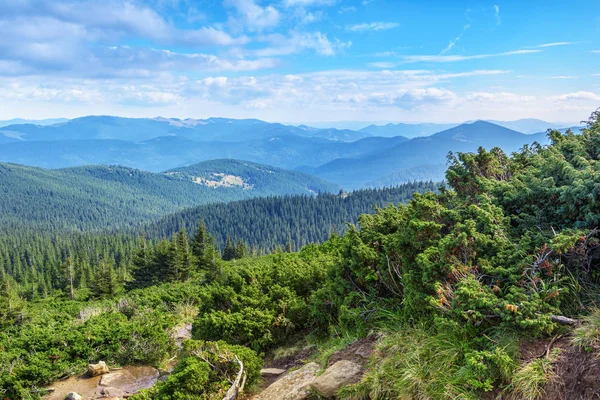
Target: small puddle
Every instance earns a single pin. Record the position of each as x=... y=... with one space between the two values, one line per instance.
x=129 y=379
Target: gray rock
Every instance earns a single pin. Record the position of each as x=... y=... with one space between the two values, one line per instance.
x=340 y=374
x=293 y=386
x=97 y=369
x=74 y=396
x=112 y=392
x=270 y=372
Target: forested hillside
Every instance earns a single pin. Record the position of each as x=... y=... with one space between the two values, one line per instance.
x=268 y=222
x=40 y=260
x=95 y=197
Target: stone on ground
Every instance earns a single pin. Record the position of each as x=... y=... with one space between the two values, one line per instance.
x=293 y=386
x=340 y=374
x=97 y=369
x=270 y=372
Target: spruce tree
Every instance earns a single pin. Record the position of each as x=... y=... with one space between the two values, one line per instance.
x=184 y=257
x=105 y=280
x=241 y=249
x=142 y=275
x=229 y=250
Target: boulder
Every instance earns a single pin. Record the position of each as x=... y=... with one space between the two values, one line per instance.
x=340 y=374
x=293 y=386
x=112 y=392
x=271 y=372
x=74 y=396
x=97 y=369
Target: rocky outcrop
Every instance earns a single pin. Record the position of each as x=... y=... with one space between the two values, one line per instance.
x=74 y=396
x=271 y=372
x=293 y=386
x=340 y=374
x=97 y=369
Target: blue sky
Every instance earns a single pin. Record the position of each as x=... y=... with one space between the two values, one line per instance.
x=301 y=60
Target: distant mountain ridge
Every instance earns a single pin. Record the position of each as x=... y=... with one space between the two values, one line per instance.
x=21 y=121
x=141 y=129
x=166 y=152
x=427 y=152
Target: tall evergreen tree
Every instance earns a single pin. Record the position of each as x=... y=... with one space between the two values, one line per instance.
x=142 y=273
x=229 y=250
x=184 y=256
x=105 y=279
x=241 y=250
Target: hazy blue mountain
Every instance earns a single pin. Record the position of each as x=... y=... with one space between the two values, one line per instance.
x=531 y=125
x=161 y=153
x=94 y=197
x=21 y=121
x=142 y=129
x=401 y=160
x=406 y=130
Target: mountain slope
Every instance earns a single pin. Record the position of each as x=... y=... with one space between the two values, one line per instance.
x=94 y=197
x=261 y=179
x=407 y=130
x=422 y=152
x=268 y=222
x=531 y=125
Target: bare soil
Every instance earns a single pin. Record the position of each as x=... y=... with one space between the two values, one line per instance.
x=358 y=352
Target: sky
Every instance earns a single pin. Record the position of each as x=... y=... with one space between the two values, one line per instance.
x=301 y=60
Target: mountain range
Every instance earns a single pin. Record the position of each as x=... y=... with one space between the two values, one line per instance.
x=423 y=157
x=375 y=156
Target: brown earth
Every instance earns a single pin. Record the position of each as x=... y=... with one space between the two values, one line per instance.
x=577 y=372
x=358 y=352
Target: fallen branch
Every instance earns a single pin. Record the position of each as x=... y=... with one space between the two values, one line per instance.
x=559 y=319
x=238 y=384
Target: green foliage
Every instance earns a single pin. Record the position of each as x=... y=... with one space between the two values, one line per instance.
x=529 y=380
x=587 y=335
x=206 y=372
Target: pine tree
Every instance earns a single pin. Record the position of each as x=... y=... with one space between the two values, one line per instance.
x=229 y=250
x=199 y=241
x=184 y=257
x=141 y=272
x=11 y=304
x=105 y=280
x=241 y=250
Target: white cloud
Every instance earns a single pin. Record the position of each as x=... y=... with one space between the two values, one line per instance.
x=499 y=97
x=346 y=9
x=577 y=96
x=554 y=44
x=382 y=65
x=595 y=51
x=452 y=43
x=497 y=15
x=372 y=26
x=455 y=58
x=305 y=3
x=254 y=16
x=298 y=41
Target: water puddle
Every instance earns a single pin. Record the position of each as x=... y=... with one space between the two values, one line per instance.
x=129 y=379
